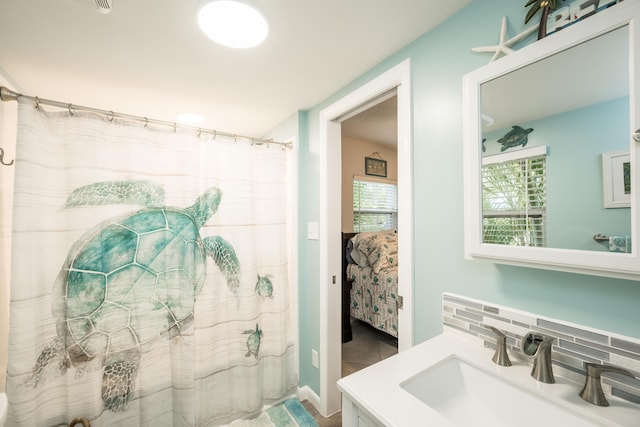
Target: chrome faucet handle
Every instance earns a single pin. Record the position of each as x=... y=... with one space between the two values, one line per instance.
x=500 y=357
x=542 y=366
x=539 y=346
x=592 y=390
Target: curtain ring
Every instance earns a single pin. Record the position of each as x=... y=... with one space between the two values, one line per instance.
x=199 y=132
x=174 y=127
x=113 y=116
x=215 y=134
x=37 y=103
x=2 y=158
x=146 y=122
x=70 y=110
x=80 y=420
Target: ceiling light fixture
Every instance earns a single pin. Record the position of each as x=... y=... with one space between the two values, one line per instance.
x=233 y=24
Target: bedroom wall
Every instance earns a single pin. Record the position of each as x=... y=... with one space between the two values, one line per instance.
x=353 y=153
x=439 y=59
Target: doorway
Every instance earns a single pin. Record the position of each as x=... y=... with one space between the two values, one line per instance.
x=398 y=78
x=369 y=204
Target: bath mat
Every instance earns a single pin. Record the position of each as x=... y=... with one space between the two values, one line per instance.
x=290 y=413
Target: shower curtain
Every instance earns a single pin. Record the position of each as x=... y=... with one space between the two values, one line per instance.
x=149 y=275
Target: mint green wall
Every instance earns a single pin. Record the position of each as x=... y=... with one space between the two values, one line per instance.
x=575 y=175
x=439 y=60
x=576 y=140
x=308 y=257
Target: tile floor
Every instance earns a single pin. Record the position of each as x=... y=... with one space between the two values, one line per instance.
x=367 y=347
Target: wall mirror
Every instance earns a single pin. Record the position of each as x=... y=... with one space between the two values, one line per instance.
x=550 y=154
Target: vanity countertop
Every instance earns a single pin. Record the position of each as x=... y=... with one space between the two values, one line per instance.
x=377 y=389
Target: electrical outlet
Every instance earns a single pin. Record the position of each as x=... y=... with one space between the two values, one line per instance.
x=312 y=231
x=314 y=359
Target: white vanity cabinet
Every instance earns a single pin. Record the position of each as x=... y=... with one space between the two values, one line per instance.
x=355 y=416
x=417 y=387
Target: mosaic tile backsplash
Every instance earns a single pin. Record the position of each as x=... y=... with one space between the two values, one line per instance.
x=573 y=344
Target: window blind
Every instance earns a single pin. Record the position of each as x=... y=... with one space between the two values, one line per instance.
x=375 y=206
x=514 y=200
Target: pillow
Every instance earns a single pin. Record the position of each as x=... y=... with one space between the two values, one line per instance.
x=380 y=251
x=348 y=251
x=385 y=255
x=359 y=255
x=367 y=234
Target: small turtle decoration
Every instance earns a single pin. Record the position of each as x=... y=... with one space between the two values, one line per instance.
x=130 y=281
x=264 y=287
x=253 y=342
x=516 y=136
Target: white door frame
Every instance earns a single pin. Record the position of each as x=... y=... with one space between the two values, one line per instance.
x=399 y=78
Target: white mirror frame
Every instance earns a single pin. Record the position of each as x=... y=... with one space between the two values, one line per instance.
x=619 y=265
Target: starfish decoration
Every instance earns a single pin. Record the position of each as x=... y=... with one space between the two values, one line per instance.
x=504 y=45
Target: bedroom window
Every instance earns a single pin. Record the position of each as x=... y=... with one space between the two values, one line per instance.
x=514 y=198
x=375 y=206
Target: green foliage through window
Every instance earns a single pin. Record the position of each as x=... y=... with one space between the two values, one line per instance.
x=375 y=206
x=514 y=202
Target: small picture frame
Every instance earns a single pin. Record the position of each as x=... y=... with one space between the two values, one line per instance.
x=616 y=179
x=375 y=167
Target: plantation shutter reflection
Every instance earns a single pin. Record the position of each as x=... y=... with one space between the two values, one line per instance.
x=514 y=201
x=375 y=206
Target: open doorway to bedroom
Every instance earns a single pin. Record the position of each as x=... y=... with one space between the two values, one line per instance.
x=369 y=224
x=397 y=79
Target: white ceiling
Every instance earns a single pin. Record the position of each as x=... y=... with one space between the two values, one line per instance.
x=378 y=124
x=149 y=58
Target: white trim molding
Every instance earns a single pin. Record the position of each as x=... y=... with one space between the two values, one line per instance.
x=397 y=78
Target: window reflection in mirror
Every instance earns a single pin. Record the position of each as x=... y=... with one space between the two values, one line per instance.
x=574 y=104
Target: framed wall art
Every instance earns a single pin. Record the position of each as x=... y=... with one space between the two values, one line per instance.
x=375 y=167
x=616 y=179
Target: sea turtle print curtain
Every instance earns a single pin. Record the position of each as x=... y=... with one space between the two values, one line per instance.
x=149 y=275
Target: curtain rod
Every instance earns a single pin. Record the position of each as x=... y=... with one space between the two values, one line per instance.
x=7 y=94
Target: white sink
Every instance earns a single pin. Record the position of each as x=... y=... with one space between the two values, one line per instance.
x=469 y=395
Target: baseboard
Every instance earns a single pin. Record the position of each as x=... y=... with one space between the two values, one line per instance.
x=306 y=393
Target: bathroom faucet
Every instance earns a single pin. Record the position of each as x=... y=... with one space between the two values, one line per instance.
x=501 y=357
x=539 y=346
x=592 y=390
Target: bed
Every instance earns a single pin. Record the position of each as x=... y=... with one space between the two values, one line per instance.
x=370 y=281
